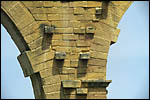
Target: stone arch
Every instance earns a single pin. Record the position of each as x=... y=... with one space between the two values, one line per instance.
x=22 y=19
x=14 y=27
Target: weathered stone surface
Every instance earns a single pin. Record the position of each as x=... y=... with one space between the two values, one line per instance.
x=79 y=27
x=82 y=90
x=71 y=83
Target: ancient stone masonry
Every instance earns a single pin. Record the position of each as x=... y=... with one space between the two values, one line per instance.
x=64 y=44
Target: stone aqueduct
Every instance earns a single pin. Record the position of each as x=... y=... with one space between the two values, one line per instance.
x=64 y=44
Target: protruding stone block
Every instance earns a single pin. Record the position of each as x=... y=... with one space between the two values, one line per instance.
x=48 y=29
x=60 y=55
x=82 y=90
x=98 y=11
x=85 y=55
x=90 y=30
x=71 y=83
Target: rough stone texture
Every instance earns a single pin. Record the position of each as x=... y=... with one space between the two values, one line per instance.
x=81 y=37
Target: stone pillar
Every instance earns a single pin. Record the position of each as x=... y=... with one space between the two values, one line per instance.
x=68 y=44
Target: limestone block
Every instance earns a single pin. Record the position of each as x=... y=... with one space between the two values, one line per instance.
x=64 y=77
x=85 y=55
x=29 y=29
x=35 y=35
x=98 y=55
x=47 y=3
x=68 y=43
x=51 y=80
x=78 y=4
x=40 y=16
x=79 y=30
x=81 y=43
x=99 y=62
x=95 y=69
x=101 y=41
x=90 y=30
x=57 y=37
x=94 y=4
x=60 y=55
x=67 y=70
x=74 y=63
x=74 y=24
x=51 y=88
x=82 y=90
x=67 y=63
x=63 y=30
x=63 y=49
x=99 y=48
x=52 y=95
x=79 y=10
x=71 y=83
x=43 y=57
x=70 y=37
x=60 y=4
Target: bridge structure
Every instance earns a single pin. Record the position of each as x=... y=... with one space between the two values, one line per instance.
x=64 y=44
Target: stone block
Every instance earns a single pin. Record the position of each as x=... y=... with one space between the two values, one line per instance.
x=59 y=17
x=67 y=63
x=63 y=30
x=63 y=49
x=81 y=90
x=79 y=10
x=96 y=69
x=70 y=37
x=49 y=29
x=52 y=95
x=90 y=30
x=81 y=43
x=56 y=43
x=78 y=4
x=101 y=41
x=68 y=43
x=57 y=37
x=51 y=80
x=97 y=62
x=99 y=48
x=98 y=10
x=60 y=55
x=52 y=88
x=40 y=17
x=94 y=3
x=29 y=29
x=60 y=4
x=85 y=55
x=67 y=70
x=79 y=30
x=74 y=24
x=71 y=83
x=43 y=57
x=74 y=63
x=35 y=35
x=98 y=55
x=47 y=3
x=64 y=77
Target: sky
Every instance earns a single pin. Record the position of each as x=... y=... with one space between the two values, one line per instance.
x=127 y=66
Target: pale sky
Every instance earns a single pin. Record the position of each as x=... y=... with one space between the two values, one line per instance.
x=127 y=66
